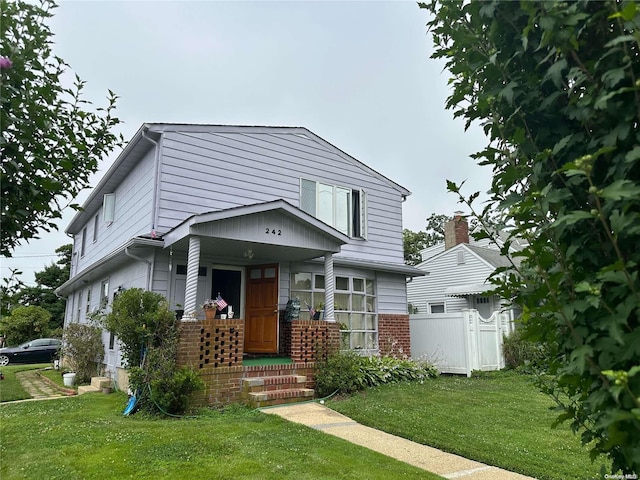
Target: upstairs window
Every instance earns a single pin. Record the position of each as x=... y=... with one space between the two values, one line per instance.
x=109 y=208
x=342 y=208
x=83 y=241
x=96 y=222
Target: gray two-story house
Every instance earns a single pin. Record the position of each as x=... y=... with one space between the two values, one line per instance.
x=257 y=216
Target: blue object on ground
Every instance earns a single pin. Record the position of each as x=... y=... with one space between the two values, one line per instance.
x=131 y=405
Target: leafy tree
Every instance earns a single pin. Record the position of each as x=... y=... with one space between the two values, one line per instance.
x=43 y=294
x=24 y=324
x=556 y=87
x=50 y=142
x=435 y=229
x=413 y=242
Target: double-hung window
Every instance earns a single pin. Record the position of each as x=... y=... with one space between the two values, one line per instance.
x=341 y=207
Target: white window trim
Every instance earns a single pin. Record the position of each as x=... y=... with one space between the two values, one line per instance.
x=83 y=242
x=316 y=291
x=96 y=222
x=109 y=208
x=362 y=207
x=104 y=298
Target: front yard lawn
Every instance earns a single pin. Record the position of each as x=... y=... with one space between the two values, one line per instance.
x=497 y=418
x=86 y=437
x=10 y=388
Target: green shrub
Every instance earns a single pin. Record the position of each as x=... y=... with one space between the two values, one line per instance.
x=524 y=355
x=148 y=333
x=340 y=371
x=25 y=323
x=139 y=319
x=83 y=350
x=381 y=370
x=348 y=372
x=172 y=394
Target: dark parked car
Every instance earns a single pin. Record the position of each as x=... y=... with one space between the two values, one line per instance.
x=42 y=350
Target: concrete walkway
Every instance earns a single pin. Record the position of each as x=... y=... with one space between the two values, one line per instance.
x=436 y=461
x=39 y=388
x=36 y=386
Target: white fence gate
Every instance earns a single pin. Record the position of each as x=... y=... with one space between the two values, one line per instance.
x=460 y=342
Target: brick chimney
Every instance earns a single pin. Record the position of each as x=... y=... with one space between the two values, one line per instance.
x=456 y=231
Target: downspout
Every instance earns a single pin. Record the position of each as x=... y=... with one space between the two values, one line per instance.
x=155 y=206
x=156 y=180
x=140 y=259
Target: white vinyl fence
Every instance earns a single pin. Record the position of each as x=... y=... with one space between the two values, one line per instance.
x=460 y=342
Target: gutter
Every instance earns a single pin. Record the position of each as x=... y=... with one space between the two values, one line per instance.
x=133 y=242
x=400 y=268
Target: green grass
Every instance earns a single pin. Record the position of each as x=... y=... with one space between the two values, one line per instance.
x=10 y=388
x=499 y=419
x=86 y=437
x=55 y=376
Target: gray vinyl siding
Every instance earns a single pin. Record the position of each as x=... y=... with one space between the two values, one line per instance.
x=204 y=172
x=445 y=272
x=285 y=285
x=133 y=215
x=131 y=275
x=391 y=293
x=161 y=274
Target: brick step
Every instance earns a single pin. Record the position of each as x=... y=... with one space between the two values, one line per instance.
x=281 y=382
x=278 y=397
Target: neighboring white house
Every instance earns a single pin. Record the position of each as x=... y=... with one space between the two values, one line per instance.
x=458 y=283
x=258 y=214
x=458 y=271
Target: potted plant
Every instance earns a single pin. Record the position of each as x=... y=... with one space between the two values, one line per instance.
x=211 y=306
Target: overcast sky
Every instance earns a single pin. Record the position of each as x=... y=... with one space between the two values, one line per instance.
x=357 y=74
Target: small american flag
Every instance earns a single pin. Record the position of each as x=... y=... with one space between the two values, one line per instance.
x=312 y=311
x=221 y=303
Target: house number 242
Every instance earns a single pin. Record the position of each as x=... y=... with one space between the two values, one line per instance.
x=273 y=231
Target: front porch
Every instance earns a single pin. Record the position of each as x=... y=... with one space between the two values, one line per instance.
x=215 y=349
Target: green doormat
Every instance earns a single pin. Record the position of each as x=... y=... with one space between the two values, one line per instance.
x=252 y=362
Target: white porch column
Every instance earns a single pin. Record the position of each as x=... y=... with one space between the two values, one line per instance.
x=329 y=288
x=193 y=264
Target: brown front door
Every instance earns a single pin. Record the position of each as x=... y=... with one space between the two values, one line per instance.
x=261 y=318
